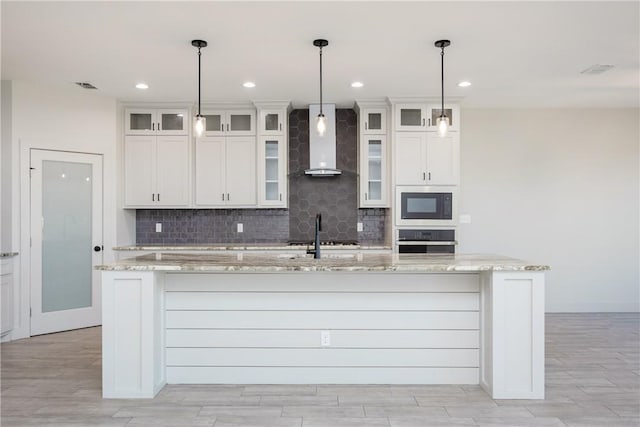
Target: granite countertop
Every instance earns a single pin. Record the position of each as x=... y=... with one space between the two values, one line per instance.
x=8 y=254
x=254 y=262
x=243 y=247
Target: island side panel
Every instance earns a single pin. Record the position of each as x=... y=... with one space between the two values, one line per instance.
x=132 y=334
x=513 y=334
x=384 y=328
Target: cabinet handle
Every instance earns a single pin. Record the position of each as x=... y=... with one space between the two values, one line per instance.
x=422 y=122
x=153 y=197
x=159 y=128
x=153 y=126
x=429 y=176
x=223 y=197
x=429 y=122
x=221 y=127
x=365 y=125
x=227 y=127
x=424 y=176
x=366 y=196
x=158 y=196
x=281 y=126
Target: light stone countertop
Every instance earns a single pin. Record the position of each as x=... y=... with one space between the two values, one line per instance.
x=272 y=263
x=244 y=247
x=8 y=254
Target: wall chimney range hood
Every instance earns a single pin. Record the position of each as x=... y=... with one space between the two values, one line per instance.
x=322 y=149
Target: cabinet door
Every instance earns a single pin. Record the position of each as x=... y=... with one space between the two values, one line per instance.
x=139 y=170
x=172 y=122
x=241 y=122
x=139 y=122
x=373 y=121
x=373 y=175
x=6 y=298
x=271 y=167
x=271 y=122
x=442 y=159
x=214 y=123
x=410 y=117
x=172 y=171
x=452 y=112
x=241 y=171
x=410 y=168
x=210 y=171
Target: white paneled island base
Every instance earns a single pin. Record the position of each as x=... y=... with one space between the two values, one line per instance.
x=378 y=319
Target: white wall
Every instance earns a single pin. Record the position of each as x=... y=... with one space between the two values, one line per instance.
x=558 y=187
x=57 y=118
x=5 y=168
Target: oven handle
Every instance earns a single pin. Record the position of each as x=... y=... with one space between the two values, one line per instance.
x=426 y=243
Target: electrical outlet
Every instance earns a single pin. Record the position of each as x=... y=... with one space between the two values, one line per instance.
x=360 y=226
x=158 y=227
x=325 y=338
x=240 y=228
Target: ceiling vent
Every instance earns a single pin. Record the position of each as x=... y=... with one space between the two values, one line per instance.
x=597 y=69
x=86 y=85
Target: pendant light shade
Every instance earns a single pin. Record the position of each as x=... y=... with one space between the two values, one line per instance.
x=442 y=122
x=199 y=122
x=321 y=122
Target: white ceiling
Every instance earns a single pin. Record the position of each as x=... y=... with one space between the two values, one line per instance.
x=516 y=54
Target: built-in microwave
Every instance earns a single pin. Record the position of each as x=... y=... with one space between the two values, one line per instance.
x=418 y=205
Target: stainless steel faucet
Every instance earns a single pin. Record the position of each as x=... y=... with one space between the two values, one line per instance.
x=316 y=250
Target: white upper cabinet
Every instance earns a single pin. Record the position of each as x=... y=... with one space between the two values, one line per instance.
x=452 y=112
x=427 y=159
x=411 y=117
x=373 y=171
x=272 y=158
x=225 y=172
x=156 y=171
x=144 y=121
x=230 y=122
x=272 y=121
x=373 y=121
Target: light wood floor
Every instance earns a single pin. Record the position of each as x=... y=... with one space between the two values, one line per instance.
x=592 y=379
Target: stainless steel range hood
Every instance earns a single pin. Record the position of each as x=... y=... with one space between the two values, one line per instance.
x=322 y=149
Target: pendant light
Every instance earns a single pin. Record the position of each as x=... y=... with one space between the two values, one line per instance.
x=199 y=121
x=442 y=122
x=321 y=122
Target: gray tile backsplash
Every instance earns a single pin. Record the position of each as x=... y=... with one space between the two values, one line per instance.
x=335 y=198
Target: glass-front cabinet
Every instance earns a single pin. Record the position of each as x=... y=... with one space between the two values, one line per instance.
x=373 y=121
x=140 y=121
x=451 y=111
x=230 y=122
x=373 y=171
x=411 y=117
x=271 y=122
x=272 y=169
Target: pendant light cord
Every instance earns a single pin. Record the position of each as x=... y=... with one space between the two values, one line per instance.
x=199 y=80
x=442 y=81
x=321 y=80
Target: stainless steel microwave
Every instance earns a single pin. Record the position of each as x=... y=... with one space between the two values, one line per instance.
x=417 y=205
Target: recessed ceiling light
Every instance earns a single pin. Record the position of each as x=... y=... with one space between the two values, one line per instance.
x=357 y=84
x=142 y=86
x=464 y=84
x=249 y=84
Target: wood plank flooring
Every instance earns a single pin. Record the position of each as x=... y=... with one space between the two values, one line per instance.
x=592 y=379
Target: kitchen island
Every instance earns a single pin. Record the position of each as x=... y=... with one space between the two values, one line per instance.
x=249 y=318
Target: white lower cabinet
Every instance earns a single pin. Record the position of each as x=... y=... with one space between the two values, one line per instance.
x=6 y=296
x=426 y=159
x=225 y=171
x=156 y=171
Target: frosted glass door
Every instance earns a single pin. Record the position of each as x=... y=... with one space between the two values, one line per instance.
x=173 y=122
x=374 y=176
x=272 y=170
x=241 y=122
x=66 y=240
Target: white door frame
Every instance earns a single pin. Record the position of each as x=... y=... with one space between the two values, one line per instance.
x=55 y=321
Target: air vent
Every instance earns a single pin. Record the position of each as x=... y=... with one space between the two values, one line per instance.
x=597 y=69
x=86 y=85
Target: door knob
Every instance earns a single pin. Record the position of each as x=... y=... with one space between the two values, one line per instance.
x=97 y=248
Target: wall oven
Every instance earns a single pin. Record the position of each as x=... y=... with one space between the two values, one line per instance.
x=426 y=206
x=424 y=241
